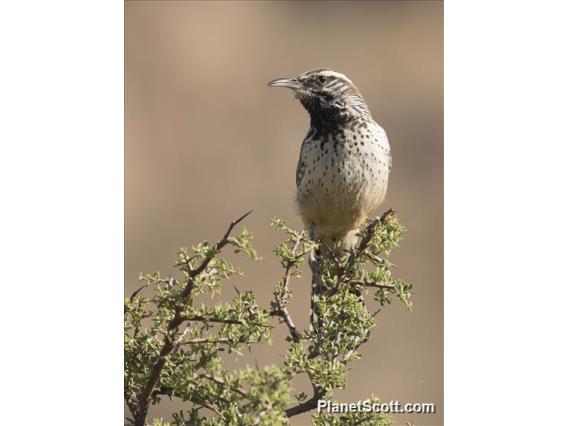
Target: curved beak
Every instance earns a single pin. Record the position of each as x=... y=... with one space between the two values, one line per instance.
x=291 y=83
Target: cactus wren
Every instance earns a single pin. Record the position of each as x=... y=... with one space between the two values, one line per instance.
x=345 y=160
x=344 y=164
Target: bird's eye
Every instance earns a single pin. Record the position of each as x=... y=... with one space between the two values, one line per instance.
x=322 y=79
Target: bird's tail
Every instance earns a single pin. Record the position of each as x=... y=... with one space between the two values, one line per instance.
x=316 y=289
x=318 y=285
x=348 y=241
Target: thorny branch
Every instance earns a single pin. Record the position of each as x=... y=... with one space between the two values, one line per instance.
x=305 y=406
x=218 y=320
x=282 y=310
x=141 y=409
x=342 y=273
x=366 y=283
x=203 y=340
x=220 y=381
x=365 y=241
x=211 y=395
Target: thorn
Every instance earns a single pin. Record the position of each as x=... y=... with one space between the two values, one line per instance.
x=235 y=222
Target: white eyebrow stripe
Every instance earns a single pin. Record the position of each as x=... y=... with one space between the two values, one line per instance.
x=336 y=74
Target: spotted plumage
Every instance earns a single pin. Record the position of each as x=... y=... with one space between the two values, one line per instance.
x=345 y=161
x=344 y=165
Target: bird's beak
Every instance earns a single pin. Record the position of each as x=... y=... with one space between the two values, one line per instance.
x=291 y=83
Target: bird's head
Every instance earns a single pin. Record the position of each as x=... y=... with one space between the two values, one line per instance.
x=323 y=91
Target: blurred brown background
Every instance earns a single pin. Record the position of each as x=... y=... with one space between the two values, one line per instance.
x=207 y=140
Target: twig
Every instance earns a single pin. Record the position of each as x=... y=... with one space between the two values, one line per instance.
x=221 y=321
x=212 y=408
x=285 y=315
x=342 y=274
x=218 y=246
x=282 y=309
x=365 y=340
x=201 y=340
x=135 y=293
x=367 y=239
x=203 y=392
x=170 y=341
x=372 y=284
x=305 y=406
x=222 y=382
x=216 y=320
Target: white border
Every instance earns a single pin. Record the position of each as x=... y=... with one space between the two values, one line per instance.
x=505 y=212
x=61 y=177
x=61 y=174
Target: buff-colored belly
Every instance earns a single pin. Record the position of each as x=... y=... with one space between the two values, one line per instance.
x=341 y=188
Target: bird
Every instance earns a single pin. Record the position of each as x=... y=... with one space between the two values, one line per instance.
x=345 y=161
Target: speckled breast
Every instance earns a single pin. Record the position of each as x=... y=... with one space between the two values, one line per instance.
x=342 y=179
